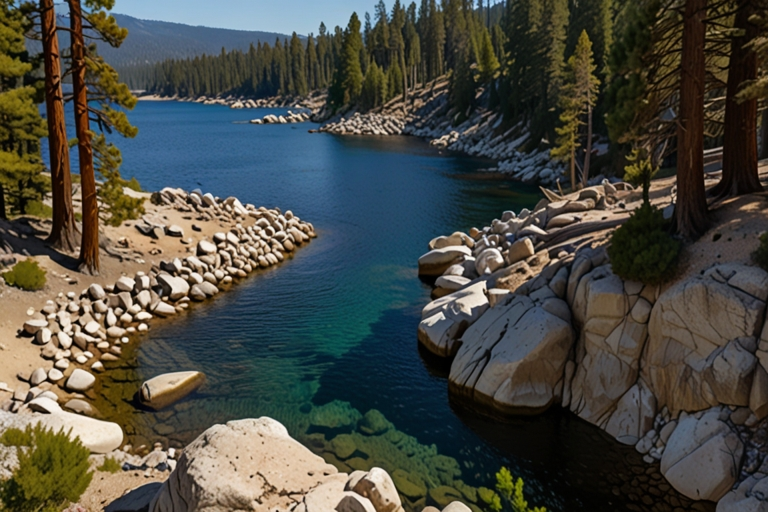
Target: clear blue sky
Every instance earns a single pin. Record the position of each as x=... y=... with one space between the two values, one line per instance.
x=283 y=16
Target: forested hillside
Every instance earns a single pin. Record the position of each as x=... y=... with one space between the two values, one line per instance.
x=151 y=42
x=155 y=41
x=568 y=74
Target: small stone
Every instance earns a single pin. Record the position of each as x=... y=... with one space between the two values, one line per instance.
x=80 y=380
x=38 y=377
x=55 y=375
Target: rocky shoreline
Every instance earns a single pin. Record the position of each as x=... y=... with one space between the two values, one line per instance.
x=425 y=116
x=532 y=317
x=79 y=335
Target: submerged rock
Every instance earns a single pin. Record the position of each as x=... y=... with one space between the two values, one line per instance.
x=164 y=390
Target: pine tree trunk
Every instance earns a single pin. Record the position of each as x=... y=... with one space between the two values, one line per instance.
x=691 y=207
x=89 y=249
x=64 y=232
x=3 y=215
x=588 y=155
x=764 y=135
x=573 y=165
x=740 y=141
x=405 y=80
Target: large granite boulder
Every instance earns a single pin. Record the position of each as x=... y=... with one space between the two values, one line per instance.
x=703 y=456
x=444 y=320
x=702 y=339
x=436 y=262
x=513 y=358
x=751 y=495
x=164 y=390
x=612 y=317
x=96 y=435
x=248 y=464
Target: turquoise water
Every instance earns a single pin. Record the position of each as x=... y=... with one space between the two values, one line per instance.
x=331 y=334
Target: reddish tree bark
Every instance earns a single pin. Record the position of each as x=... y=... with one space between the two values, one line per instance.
x=89 y=248
x=691 y=207
x=740 y=141
x=64 y=232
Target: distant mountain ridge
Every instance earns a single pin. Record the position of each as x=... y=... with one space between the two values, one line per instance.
x=151 y=41
x=155 y=41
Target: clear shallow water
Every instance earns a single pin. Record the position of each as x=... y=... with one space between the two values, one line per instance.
x=337 y=323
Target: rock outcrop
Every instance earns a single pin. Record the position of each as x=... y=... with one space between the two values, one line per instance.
x=513 y=357
x=703 y=339
x=255 y=465
x=681 y=374
x=703 y=456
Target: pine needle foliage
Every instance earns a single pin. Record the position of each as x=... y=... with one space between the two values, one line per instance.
x=512 y=492
x=578 y=97
x=640 y=171
x=643 y=249
x=53 y=470
x=21 y=126
x=116 y=206
x=760 y=256
x=26 y=275
x=110 y=465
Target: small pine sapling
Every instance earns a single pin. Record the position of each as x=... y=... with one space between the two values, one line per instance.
x=53 y=470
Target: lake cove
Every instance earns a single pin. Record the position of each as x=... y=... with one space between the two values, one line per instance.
x=326 y=342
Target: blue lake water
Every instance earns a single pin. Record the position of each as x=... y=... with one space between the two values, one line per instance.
x=336 y=324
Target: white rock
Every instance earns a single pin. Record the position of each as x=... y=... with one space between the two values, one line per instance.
x=437 y=261
x=169 y=388
x=80 y=380
x=213 y=470
x=703 y=456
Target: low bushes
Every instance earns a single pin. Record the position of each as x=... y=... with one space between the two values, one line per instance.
x=761 y=254
x=643 y=248
x=509 y=492
x=26 y=275
x=52 y=472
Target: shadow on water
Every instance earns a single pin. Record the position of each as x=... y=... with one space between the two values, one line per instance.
x=567 y=464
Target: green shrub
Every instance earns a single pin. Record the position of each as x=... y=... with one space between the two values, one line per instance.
x=116 y=206
x=52 y=472
x=26 y=275
x=640 y=172
x=511 y=491
x=39 y=209
x=133 y=184
x=761 y=254
x=110 y=465
x=643 y=248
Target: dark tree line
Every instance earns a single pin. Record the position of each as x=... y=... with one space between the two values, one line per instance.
x=287 y=67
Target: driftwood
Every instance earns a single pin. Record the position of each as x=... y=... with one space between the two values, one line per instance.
x=580 y=229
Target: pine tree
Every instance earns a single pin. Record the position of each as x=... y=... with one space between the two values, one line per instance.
x=21 y=126
x=628 y=62
x=691 y=206
x=394 y=81
x=740 y=141
x=348 y=78
x=90 y=69
x=374 y=88
x=488 y=64
x=64 y=231
x=578 y=98
x=297 y=66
